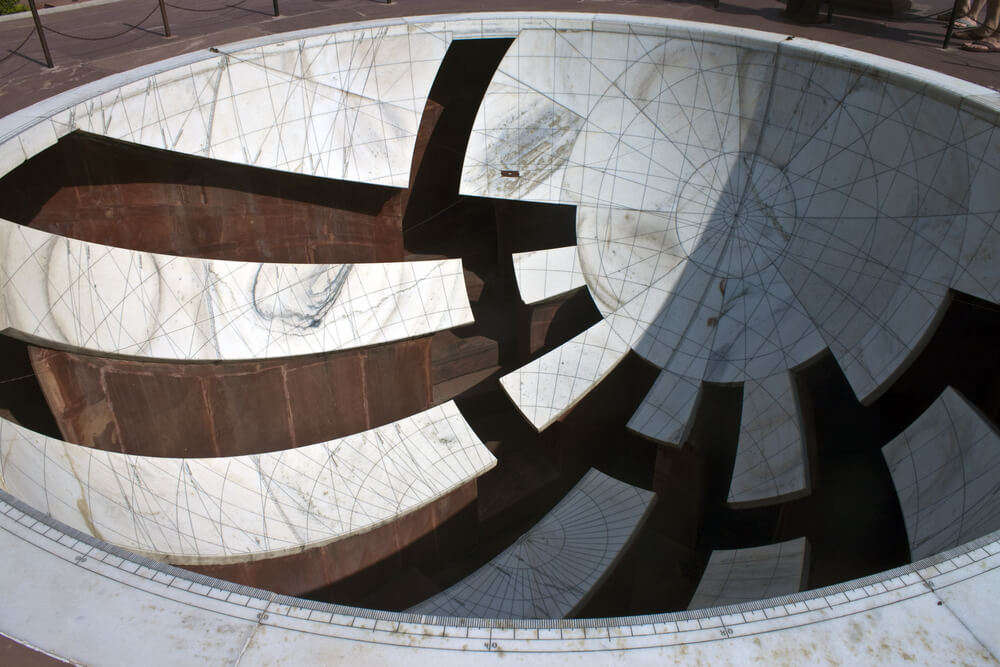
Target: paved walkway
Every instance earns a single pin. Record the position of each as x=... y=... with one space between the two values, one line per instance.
x=129 y=33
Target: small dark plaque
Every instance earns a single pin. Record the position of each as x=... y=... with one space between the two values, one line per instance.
x=509 y=173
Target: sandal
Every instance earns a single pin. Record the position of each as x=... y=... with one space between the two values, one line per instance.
x=965 y=23
x=988 y=45
x=973 y=34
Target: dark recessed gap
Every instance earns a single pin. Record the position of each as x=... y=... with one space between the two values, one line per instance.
x=113 y=192
x=21 y=397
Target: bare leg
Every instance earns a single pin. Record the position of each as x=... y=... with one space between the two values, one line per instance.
x=991 y=20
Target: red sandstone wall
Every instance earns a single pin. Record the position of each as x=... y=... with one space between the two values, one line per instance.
x=232 y=408
x=430 y=533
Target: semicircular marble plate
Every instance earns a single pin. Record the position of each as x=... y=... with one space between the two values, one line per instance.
x=742 y=205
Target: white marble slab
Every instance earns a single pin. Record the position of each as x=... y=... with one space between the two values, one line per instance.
x=946 y=469
x=771 y=462
x=232 y=509
x=342 y=105
x=70 y=293
x=543 y=274
x=742 y=575
x=553 y=569
x=548 y=387
x=667 y=411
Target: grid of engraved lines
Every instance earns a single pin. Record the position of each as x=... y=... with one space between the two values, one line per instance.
x=550 y=570
x=380 y=58
x=818 y=195
x=248 y=504
x=307 y=292
x=946 y=469
x=744 y=575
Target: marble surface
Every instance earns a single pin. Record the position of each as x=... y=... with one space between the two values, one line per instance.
x=549 y=386
x=667 y=410
x=68 y=293
x=743 y=575
x=744 y=202
x=553 y=569
x=543 y=274
x=233 y=509
x=771 y=461
x=90 y=602
x=946 y=469
x=344 y=104
x=72 y=596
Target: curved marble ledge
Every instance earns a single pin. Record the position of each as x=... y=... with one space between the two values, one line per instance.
x=550 y=386
x=745 y=202
x=243 y=508
x=342 y=104
x=743 y=575
x=543 y=274
x=71 y=595
x=553 y=569
x=771 y=463
x=68 y=293
x=946 y=470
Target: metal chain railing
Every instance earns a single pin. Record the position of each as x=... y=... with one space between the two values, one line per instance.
x=98 y=38
x=14 y=6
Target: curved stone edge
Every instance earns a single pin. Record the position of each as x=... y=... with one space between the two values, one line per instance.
x=31 y=134
x=71 y=595
x=252 y=507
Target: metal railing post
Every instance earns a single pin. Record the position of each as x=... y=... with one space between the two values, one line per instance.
x=41 y=34
x=163 y=15
x=951 y=26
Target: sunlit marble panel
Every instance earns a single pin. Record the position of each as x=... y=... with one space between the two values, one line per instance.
x=340 y=105
x=946 y=469
x=232 y=509
x=543 y=274
x=551 y=570
x=70 y=293
x=548 y=387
